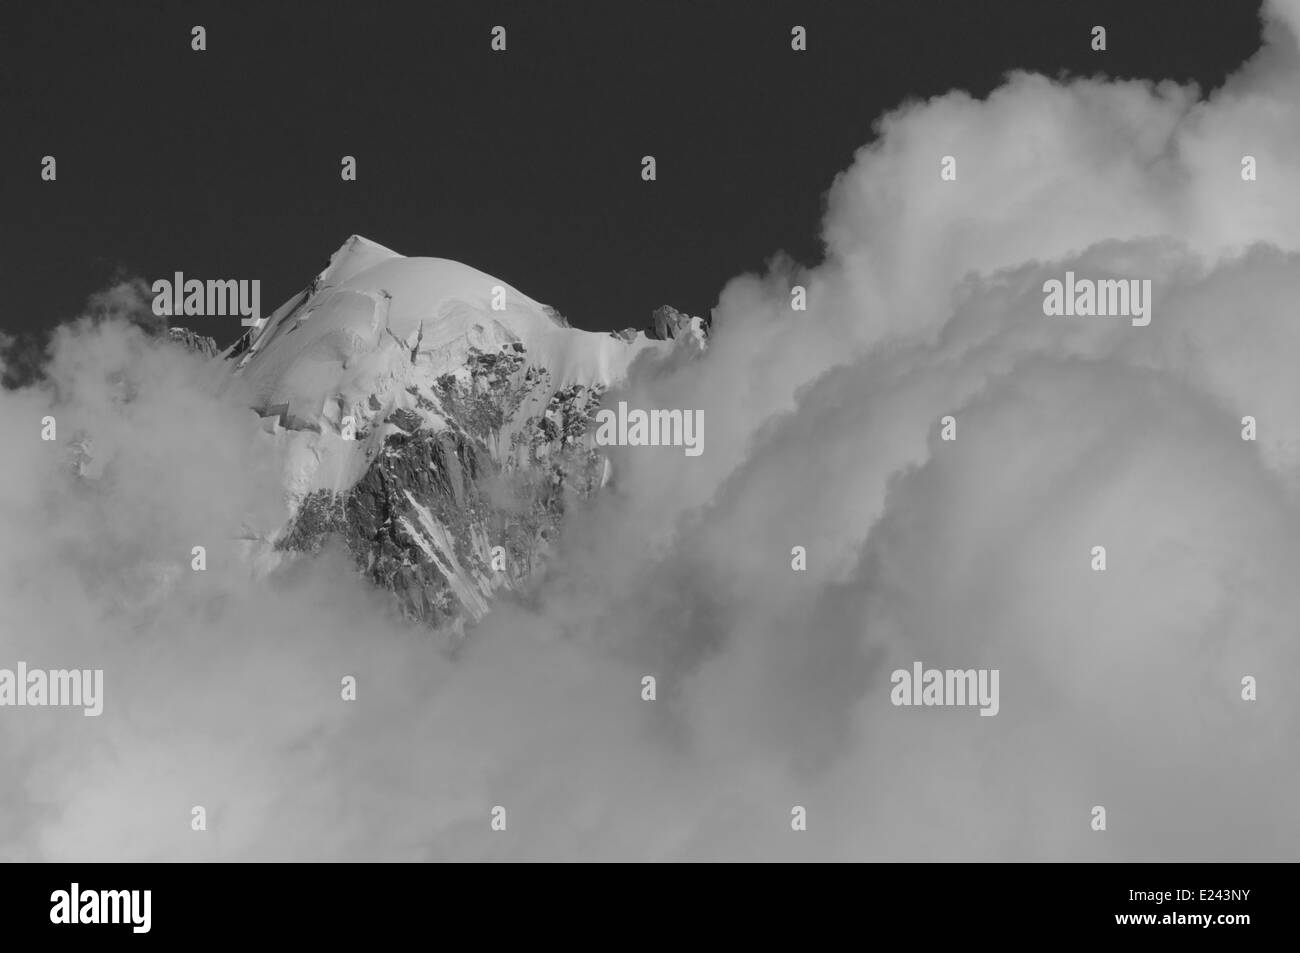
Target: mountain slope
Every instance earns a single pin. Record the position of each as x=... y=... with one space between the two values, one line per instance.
x=427 y=413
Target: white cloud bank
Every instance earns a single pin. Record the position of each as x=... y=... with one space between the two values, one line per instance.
x=1119 y=689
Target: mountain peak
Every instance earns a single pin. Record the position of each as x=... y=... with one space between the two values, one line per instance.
x=353 y=257
x=376 y=331
x=360 y=242
x=429 y=414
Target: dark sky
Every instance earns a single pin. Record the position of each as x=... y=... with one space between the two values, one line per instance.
x=225 y=164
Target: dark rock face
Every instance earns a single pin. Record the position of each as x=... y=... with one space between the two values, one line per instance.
x=427 y=517
x=378 y=520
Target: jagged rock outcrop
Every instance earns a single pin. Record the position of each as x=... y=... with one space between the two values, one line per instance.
x=191 y=341
x=667 y=323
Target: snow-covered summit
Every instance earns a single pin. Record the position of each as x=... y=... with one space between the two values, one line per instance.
x=375 y=323
x=375 y=332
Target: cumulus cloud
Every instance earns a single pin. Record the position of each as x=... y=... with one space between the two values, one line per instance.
x=1119 y=689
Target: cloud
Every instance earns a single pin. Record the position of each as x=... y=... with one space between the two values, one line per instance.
x=1119 y=688
x=129 y=299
